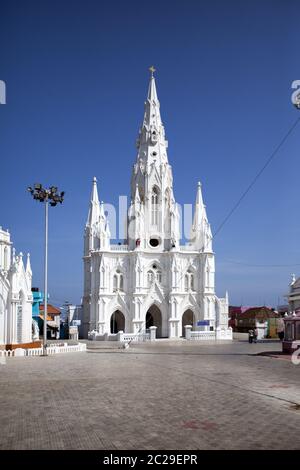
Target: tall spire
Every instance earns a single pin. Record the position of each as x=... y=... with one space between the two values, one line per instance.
x=200 y=211
x=201 y=236
x=28 y=265
x=152 y=172
x=94 y=210
x=152 y=93
x=137 y=198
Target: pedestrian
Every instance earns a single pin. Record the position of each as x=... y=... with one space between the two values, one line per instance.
x=250 y=336
x=281 y=335
x=255 y=335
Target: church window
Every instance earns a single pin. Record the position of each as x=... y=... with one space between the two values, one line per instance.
x=115 y=283
x=118 y=281
x=5 y=258
x=154 y=204
x=154 y=242
x=192 y=281
x=158 y=276
x=189 y=281
x=150 y=277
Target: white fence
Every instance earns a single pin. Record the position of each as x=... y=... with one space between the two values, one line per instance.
x=224 y=333
x=119 y=247
x=221 y=333
x=134 y=338
x=51 y=349
x=122 y=337
x=203 y=335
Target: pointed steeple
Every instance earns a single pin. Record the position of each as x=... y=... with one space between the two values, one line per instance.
x=200 y=211
x=94 y=210
x=28 y=266
x=107 y=229
x=152 y=93
x=137 y=199
x=152 y=172
x=201 y=235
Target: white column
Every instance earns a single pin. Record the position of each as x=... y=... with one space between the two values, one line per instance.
x=153 y=333
x=188 y=329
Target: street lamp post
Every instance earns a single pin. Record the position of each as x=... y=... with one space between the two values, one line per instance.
x=46 y=195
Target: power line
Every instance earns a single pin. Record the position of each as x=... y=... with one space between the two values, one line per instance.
x=273 y=154
x=262 y=265
x=250 y=186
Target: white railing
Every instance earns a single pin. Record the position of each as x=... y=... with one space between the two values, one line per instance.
x=224 y=333
x=203 y=335
x=119 y=247
x=187 y=248
x=51 y=349
x=134 y=337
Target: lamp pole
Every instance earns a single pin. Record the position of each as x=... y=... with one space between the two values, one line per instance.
x=46 y=279
x=45 y=195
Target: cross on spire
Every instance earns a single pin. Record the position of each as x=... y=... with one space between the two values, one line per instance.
x=152 y=70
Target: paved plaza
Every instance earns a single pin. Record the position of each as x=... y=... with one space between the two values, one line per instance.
x=167 y=395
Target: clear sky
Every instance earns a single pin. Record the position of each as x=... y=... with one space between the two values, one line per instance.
x=77 y=74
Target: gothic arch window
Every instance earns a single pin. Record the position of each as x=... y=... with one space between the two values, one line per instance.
x=154 y=205
x=189 y=281
x=159 y=276
x=186 y=282
x=115 y=283
x=150 y=277
x=155 y=274
x=121 y=282
x=20 y=313
x=118 y=281
x=192 y=281
x=5 y=258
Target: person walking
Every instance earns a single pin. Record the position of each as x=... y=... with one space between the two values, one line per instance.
x=255 y=335
x=250 y=336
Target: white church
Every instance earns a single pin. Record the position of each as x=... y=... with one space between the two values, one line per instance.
x=15 y=295
x=152 y=280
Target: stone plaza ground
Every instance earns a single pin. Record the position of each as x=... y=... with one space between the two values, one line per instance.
x=166 y=395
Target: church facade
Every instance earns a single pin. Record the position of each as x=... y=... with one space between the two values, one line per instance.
x=152 y=280
x=15 y=295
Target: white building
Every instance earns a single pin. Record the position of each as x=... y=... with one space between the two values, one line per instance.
x=15 y=294
x=152 y=280
x=294 y=294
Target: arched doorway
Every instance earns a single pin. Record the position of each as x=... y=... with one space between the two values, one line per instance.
x=117 y=322
x=153 y=318
x=187 y=319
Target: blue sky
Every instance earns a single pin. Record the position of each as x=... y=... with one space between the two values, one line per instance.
x=77 y=75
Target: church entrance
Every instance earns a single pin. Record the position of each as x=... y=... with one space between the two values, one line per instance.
x=187 y=319
x=117 y=322
x=153 y=318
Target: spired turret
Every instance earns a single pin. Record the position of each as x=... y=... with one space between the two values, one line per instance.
x=152 y=175
x=201 y=236
x=97 y=233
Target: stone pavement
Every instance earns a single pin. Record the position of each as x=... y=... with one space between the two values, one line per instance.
x=166 y=395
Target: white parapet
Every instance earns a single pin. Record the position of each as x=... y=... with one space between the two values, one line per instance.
x=223 y=333
x=51 y=349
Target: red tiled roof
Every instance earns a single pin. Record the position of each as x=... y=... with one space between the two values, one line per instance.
x=259 y=312
x=51 y=310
